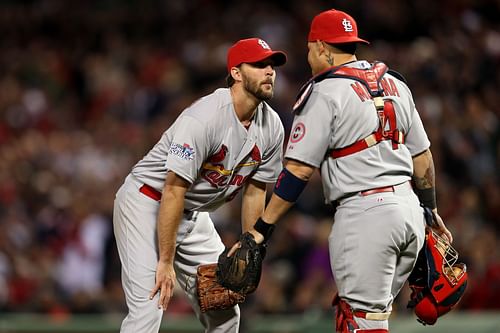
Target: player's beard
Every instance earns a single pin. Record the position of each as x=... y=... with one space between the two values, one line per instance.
x=255 y=88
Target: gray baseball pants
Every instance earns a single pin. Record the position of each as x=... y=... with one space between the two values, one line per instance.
x=374 y=243
x=134 y=223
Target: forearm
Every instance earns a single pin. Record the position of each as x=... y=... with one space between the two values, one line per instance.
x=425 y=188
x=254 y=200
x=276 y=209
x=424 y=179
x=169 y=217
x=278 y=206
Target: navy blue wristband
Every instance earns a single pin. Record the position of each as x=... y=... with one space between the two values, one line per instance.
x=288 y=186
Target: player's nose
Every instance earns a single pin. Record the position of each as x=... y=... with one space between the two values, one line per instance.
x=269 y=70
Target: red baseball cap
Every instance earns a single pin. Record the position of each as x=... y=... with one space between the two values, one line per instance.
x=252 y=50
x=335 y=27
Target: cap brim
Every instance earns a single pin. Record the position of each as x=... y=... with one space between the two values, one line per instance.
x=278 y=57
x=346 y=40
x=362 y=41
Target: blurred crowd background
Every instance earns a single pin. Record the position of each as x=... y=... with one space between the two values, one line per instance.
x=87 y=88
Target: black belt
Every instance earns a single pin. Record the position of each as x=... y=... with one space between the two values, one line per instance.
x=154 y=194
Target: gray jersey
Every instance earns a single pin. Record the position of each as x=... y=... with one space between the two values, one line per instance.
x=335 y=116
x=209 y=147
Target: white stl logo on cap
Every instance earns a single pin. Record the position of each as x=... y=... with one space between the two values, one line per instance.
x=264 y=44
x=347 y=25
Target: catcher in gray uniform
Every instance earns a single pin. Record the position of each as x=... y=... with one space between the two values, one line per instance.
x=357 y=122
x=228 y=141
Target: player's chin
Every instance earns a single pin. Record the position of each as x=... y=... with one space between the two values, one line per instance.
x=266 y=91
x=265 y=94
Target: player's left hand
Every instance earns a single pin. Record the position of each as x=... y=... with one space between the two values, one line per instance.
x=440 y=227
x=165 y=282
x=258 y=237
x=239 y=268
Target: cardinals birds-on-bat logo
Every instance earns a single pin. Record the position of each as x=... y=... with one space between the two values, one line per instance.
x=255 y=154
x=219 y=156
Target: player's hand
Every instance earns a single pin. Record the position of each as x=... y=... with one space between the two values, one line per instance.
x=258 y=237
x=233 y=249
x=440 y=228
x=165 y=282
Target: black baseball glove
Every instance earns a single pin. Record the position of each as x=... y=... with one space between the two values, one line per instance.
x=241 y=271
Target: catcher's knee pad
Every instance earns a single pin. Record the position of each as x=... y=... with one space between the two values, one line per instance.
x=346 y=323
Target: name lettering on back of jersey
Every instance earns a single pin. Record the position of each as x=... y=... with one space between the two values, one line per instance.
x=387 y=84
x=389 y=87
x=183 y=151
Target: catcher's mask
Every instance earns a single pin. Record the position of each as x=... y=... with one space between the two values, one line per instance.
x=437 y=281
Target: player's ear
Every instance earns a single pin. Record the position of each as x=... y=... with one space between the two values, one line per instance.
x=321 y=47
x=236 y=73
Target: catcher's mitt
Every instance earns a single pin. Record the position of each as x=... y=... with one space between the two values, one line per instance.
x=241 y=272
x=211 y=295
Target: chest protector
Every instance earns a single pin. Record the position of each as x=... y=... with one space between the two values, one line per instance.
x=371 y=79
x=437 y=281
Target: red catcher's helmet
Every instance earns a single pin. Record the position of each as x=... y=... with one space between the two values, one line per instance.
x=437 y=281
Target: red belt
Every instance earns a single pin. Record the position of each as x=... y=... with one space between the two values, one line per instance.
x=377 y=190
x=156 y=195
x=150 y=192
x=336 y=203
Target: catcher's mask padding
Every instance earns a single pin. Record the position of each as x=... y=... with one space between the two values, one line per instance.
x=437 y=281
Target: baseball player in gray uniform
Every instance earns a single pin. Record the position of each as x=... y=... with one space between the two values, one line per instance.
x=225 y=142
x=357 y=122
